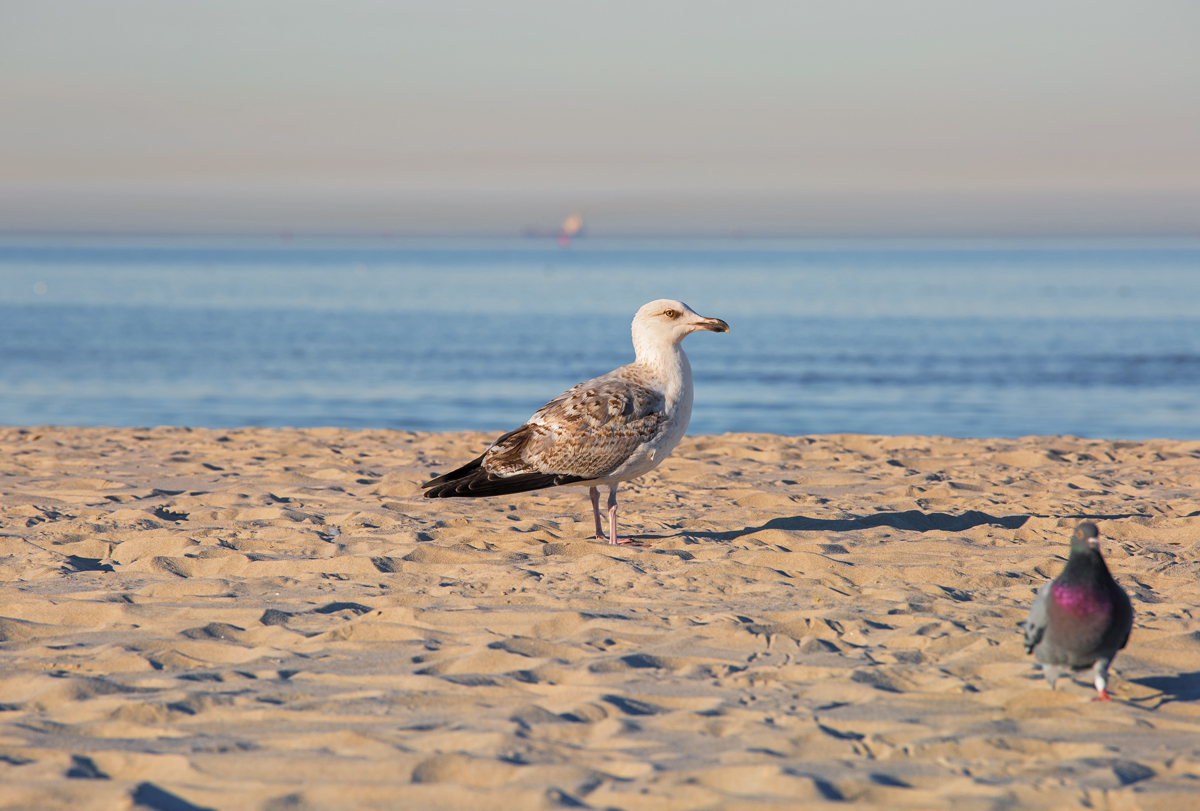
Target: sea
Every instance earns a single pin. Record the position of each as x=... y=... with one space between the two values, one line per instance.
x=1093 y=338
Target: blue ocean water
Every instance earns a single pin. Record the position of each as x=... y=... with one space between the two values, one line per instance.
x=957 y=339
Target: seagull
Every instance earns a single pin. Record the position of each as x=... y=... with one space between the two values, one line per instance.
x=605 y=431
x=1082 y=618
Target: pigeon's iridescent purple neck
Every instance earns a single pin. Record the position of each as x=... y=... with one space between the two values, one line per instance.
x=1080 y=600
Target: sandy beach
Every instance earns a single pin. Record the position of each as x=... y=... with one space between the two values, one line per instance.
x=275 y=619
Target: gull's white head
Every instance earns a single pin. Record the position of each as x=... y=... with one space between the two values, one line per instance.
x=667 y=322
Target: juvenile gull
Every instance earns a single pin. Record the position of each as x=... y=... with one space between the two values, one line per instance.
x=1082 y=618
x=602 y=432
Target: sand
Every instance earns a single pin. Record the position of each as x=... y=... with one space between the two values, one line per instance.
x=274 y=619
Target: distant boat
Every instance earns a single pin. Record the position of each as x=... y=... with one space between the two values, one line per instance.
x=571 y=227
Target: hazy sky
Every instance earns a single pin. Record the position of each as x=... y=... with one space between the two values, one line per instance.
x=490 y=115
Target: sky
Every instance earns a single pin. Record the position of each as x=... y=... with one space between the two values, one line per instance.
x=915 y=118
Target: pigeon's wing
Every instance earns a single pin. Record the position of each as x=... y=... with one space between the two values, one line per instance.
x=581 y=435
x=1124 y=614
x=1035 y=624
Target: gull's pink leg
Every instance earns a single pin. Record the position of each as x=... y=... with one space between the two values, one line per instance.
x=595 y=494
x=612 y=517
x=612 y=523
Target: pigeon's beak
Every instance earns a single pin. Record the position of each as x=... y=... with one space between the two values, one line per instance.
x=1094 y=543
x=712 y=325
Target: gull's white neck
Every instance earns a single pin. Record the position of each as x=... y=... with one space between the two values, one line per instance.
x=668 y=365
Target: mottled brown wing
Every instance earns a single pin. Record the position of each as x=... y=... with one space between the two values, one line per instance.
x=586 y=432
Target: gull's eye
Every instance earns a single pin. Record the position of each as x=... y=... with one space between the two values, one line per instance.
x=670 y=313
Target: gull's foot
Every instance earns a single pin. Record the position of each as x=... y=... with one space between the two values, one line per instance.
x=602 y=538
x=1103 y=696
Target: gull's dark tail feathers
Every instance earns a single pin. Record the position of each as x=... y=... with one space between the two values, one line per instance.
x=473 y=481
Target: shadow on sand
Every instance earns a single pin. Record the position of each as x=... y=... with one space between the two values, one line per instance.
x=1180 y=687
x=909 y=520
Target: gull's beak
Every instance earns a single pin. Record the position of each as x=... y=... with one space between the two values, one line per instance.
x=712 y=325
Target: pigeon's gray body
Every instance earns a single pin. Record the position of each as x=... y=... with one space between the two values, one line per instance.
x=1082 y=618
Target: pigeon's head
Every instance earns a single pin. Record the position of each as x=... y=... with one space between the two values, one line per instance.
x=668 y=322
x=1086 y=536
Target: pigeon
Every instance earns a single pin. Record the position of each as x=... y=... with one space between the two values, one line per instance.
x=1082 y=618
x=607 y=430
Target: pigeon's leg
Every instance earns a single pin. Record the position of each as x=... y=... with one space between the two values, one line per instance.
x=595 y=494
x=1100 y=671
x=1052 y=673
